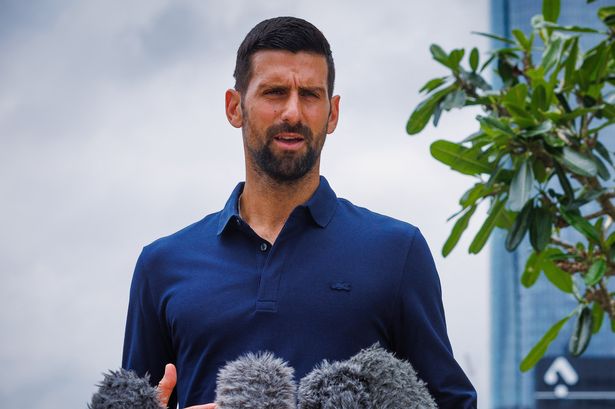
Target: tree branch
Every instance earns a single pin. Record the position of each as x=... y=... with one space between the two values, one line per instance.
x=595 y=214
x=565 y=245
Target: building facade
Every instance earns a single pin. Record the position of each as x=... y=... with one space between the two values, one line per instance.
x=521 y=316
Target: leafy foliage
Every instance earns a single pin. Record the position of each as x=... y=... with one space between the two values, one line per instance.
x=537 y=156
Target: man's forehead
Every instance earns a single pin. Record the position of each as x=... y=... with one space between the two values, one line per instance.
x=281 y=65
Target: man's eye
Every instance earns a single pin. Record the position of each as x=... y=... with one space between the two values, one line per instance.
x=275 y=91
x=310 y=94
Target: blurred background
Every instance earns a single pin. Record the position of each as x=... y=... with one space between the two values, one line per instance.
x=113 y=133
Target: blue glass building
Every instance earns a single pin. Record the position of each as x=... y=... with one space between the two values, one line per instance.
x=521 y=316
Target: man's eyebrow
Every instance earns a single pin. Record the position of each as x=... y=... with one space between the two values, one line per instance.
x=273 y=85
x=313 y=89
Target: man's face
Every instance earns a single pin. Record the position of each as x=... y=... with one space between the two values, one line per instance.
x=286 y=114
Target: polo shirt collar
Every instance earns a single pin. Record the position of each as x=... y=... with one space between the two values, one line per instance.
x=321 y=205
x=230 y=210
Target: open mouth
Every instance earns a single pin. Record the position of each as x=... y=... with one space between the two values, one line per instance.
x=288 y=140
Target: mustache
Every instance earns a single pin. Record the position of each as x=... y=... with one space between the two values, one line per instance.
x=298 y=128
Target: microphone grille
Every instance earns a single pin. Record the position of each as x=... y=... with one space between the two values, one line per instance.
x=337 y=385
x=256 y=381
x=123 y=389
x=393 y=383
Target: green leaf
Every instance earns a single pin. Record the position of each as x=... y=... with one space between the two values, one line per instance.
x=439 y=54
x=455 y=99
x=603 y=172
x=572 y=29
x=485 y=231
x=506 y=70
x=607 y=14
x=455 y=57
x=582 y=332
x=460 y=158
x=570 y=65
x=553 y=140
x=539 y=98
x=595 y=273
x=550 y=58
x=592 y=69
x=556 y=275
x=524 y=43
x=541 y=228
x=521 y=186
x=516 y=95
x=433 y=84
x=420 y=117
x=470 y=197
x=577 y=162
x=520 y=115
x=564 y=182
x=460 y=226
x=474 y=58
x=505 y=220
x=603 y=151
x=540 y=172
x=520 y=226
x=436 y=114
x=608 y=111
x=542 y=345
x=550 y=10
x=490 y=122
x=494 y=37
x=478 y=81
x=532 y=270
x=486 y=63
x=597 y=317
x=581 y=225
x=541 y=129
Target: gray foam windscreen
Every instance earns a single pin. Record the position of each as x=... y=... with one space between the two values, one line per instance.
x=256 y=381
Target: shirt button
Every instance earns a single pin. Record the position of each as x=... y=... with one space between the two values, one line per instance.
x=238 y=221
x=264 y=246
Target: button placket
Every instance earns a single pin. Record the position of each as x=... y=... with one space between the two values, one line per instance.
x=269 y=273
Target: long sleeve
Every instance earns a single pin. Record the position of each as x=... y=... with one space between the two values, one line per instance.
x=420 y=333
x=147 y=345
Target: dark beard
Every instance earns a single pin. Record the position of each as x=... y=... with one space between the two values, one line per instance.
x=290 y=166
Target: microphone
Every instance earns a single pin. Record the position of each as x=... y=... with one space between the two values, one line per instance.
x=256 y=381
x=123 y=389
x=335 y=385
x=372 y=379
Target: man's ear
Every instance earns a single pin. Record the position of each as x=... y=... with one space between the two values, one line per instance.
x=334 y=112
x=232 y=102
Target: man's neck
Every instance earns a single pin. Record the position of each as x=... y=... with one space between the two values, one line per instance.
x=266 y=204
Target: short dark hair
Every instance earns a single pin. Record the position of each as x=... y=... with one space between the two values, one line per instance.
x=282 y=33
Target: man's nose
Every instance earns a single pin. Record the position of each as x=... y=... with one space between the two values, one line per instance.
x=292 y=109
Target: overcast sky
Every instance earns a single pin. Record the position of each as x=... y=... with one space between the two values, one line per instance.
x=113 y=134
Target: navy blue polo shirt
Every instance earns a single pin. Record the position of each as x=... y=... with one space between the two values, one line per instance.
x=337 y=279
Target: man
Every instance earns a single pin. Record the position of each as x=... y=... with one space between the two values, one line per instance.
x=286 y=266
